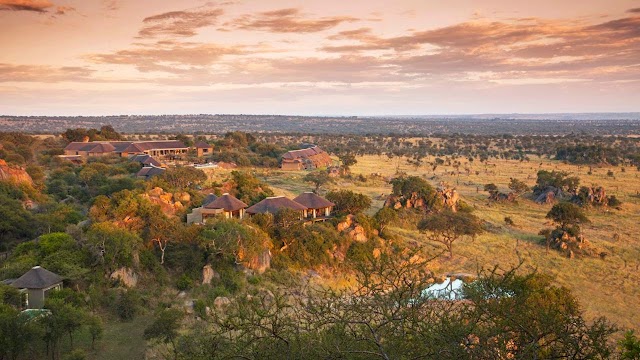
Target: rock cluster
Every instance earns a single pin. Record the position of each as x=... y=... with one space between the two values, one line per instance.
x=168 y=202
x=14 y=174
x=448 y=197
x=354 y=230
x=126 y=276
x=550 y=195
x=570 y=245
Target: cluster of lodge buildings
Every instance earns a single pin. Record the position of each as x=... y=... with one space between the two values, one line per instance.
x=144 y=152
x=305 y=159
x=157 y=148
x=310 y=206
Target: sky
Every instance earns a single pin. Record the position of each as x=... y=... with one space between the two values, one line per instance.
x=318 y=57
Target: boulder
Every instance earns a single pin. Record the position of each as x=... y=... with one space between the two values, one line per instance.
x=166 y=197
x=208 y=274
x=156 y=191
x=188 y=306
x=355 y=231
x=126 y=276
x=183 y=197
x=546 y=198
x=221 y=302
x=261 y=262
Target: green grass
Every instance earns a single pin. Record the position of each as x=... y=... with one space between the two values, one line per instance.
x=120 y=340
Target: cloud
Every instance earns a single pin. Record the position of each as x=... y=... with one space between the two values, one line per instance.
x=46 y=74
x=63 y=10
x=25 y=5
x=287 y=21
x=634 y=10
x=111 y=5
x=168 y=56
x=528 y=47
x=179 y=23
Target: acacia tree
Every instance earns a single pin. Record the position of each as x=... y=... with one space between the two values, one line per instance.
x=518 y=187
x=568 y=216
x=347 y=161
x=318 y=178
x=384 y=217
x=446 y=227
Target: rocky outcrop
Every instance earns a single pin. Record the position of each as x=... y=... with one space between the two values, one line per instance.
x=126 y=276
x=208 y=274
x=595 y=195
x=450 y=198
x=259 y=263
x=549 y=195
x=570 y=245
x=447 y=197
x=14 y=174
x=354 y=230
x=502 y=197
x=221 y=302
x=168 y=202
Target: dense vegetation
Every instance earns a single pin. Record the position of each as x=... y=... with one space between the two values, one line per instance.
x=124 y=250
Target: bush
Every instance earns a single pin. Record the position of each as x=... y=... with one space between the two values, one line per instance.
x=613 y=201
x=184 y=282
x=127 y=305
x=508 y=221
x=76 y=354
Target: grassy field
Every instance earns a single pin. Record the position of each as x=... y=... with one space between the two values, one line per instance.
x=609 y=287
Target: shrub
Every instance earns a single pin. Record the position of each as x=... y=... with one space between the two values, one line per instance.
x=127 y=304
x=184 y=282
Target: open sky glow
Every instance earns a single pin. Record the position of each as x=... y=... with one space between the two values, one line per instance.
x=318 y=57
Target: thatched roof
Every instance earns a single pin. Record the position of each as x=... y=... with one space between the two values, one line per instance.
x=313 y=201
x=274 y=204
x=37 y=278
x=149 y=171
x=144 y=159
x=209 y=199
x=227 y=203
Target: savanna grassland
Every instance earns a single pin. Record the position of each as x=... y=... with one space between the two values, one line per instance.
x=605 y=287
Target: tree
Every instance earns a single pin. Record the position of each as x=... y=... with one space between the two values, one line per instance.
x=284 y=218
x=183 y=177
x=319 y=178
x=555 y=179
x=16 y=333
x=629 y=346
x=384 y=217
x=567 y=215
x=165 y=328
x=446 y=227
x=248 y=188
x=491 y=188
x=115 y=245
x=349 y=202
x=518 y=187
x=234 y=239
x=347 y=161
x=526 y=316
x=407 y=186
x=96 y=329
x=387 y=315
